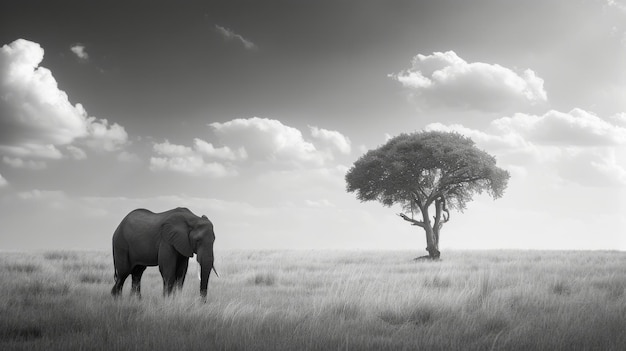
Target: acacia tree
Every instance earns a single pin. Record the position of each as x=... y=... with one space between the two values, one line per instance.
x=424 y=172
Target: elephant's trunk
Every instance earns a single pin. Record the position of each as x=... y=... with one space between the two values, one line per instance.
x=206 y=264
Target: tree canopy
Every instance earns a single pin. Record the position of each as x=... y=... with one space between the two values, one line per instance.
x=421 y=169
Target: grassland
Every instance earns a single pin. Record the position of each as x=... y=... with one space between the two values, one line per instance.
x=291 y=300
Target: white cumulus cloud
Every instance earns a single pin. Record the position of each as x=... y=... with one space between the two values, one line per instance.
x=332 y=138
x=26 y=164
x=76 y=152
x=224 y=153
x=187 y=160
x=172 y=150
x=251 y=144
x=3 y=181
x=37 y=116
x=445 y=79
x=577 y=127
x=577 y=146
x=191 y=164
x=266 y=139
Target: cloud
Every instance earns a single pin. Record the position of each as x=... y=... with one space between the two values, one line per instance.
x=229 y=35
x=187 y=160
x=48 y=151
x=265 y=140
x=596 y=167
x=619 y=119
x=37 y=194
x=25 y=164
x=192 y=165
x=577 y=146
x=332 y=138
x=577 y=127
x=261 y=144
x=126 y=156
x=172 y=150
x=445 y=79
x=76 y=152
x=37 y=116
x=620 y=5
x=3 y=181
x=79 y=51
x=224 y=153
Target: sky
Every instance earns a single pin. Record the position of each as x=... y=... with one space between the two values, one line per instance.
x=252 y=112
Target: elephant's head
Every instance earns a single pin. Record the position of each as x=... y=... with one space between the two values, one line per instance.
x=202 y=238
x=191 y=234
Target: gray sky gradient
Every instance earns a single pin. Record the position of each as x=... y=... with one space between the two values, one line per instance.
x=251 y=113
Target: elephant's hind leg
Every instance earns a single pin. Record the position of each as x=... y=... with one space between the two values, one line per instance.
x=122 y=270
x=137 y=272
x=120 y=278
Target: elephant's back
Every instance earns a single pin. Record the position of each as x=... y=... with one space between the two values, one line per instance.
x=141 y=221
x=140 y=214
x=138 y=234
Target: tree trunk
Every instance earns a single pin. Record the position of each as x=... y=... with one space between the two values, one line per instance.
x=432 y=243
x=432 y=238
x=436 y=240
x=432 y=229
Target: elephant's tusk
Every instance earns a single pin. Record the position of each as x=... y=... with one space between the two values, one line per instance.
x=198 y=269
x=213 y=268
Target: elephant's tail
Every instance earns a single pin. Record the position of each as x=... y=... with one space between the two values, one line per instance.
x=114 y=264
x=114 y=269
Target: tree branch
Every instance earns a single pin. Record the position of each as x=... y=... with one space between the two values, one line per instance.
x=420 y=199
x=441 y=210
x=461 y=179
x=413 y=221
x=444 y=207
x=419 y=195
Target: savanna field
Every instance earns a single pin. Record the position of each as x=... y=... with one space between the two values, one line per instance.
x=322 y=300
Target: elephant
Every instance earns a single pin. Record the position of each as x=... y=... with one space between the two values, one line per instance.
x=166 y=239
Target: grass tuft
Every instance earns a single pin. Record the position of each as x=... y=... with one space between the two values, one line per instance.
x=91 y=278
x=27 y=268
x=60 y=255
x=437 y=282
x=417 y=315
x=40 y=288
x=264 y=279
x=561 y=288
x=21 y=334
x=344 y=309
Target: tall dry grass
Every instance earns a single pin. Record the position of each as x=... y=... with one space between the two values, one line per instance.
x=321 y=300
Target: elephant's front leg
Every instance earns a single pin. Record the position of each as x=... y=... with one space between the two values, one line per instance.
x=167 y=266
x=181 y=271
x=137 y=272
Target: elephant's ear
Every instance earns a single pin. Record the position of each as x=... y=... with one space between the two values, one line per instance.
x=176 y=234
